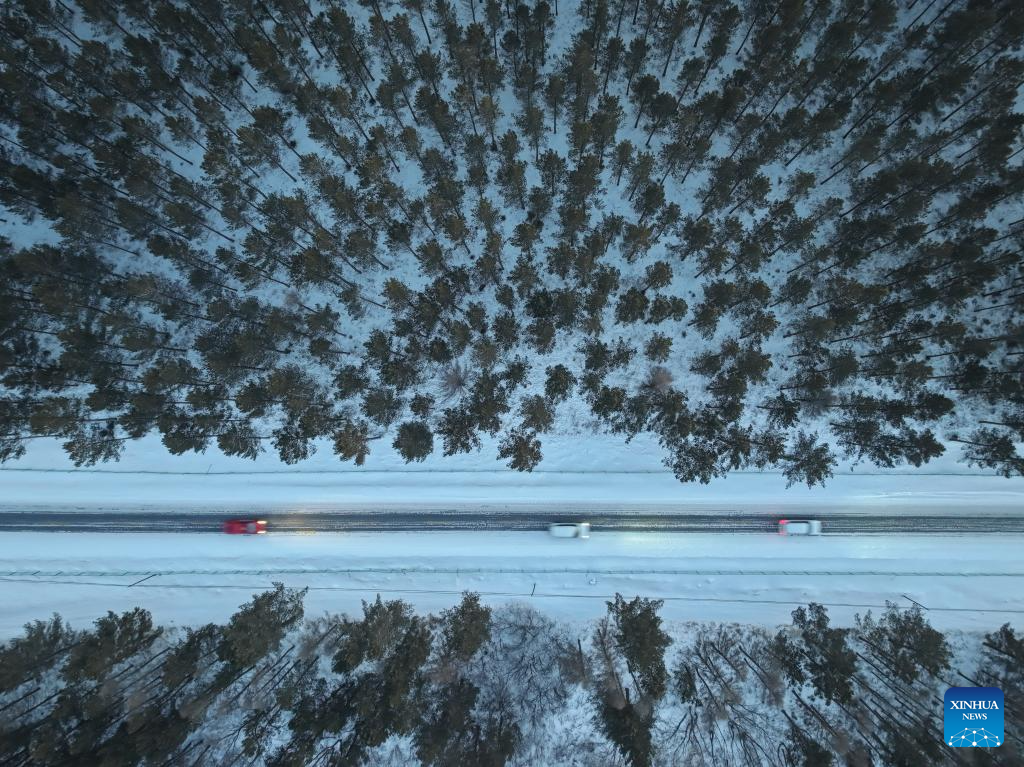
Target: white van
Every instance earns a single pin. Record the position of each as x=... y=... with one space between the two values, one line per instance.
x=570 y=529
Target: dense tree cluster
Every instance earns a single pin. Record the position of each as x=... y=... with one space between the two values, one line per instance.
x=771 y=234
x=476 y=685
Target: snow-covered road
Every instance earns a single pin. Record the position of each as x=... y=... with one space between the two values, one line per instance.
x=964 y=581
x=522 y=517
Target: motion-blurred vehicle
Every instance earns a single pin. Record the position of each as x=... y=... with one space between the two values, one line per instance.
x=570 y=529
x=245 y=527
x=799 y=527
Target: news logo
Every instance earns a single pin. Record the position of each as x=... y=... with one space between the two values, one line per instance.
x=973 y=717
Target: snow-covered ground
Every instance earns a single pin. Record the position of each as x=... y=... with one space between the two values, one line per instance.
x=599 y=469
x=965 y=582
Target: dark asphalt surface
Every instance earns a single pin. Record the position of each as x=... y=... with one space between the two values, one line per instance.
x=107 y=521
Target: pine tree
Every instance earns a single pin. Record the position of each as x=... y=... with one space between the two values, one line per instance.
x=614 y=53
x=1003 y=660
x=644 y=91
x=351 y=441
x=259 y=626
x=629 y=729
x=658 y=347
x=622 y=158
x=465 y=628
x=115 y=639
x=807 y=461
x=678 y=18
x=824 y=658
x=558 y=384
x=905 y=643
x=532 y=125
x=554 y=95
x=458 y=431
x=642 y=642
x=30 y=656
x=448 y=732
x=414 y=441
x=636 y=57
x=511 y=175
x=992 y=449
x=522 y=449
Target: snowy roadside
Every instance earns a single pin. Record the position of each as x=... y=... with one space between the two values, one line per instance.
x=966 y=582
x=295 y=492
x=598 y=469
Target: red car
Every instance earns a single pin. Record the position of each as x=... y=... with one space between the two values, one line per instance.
x=245 y=527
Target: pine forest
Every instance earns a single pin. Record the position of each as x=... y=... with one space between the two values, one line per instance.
x=772 y=234
x=481 y=686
